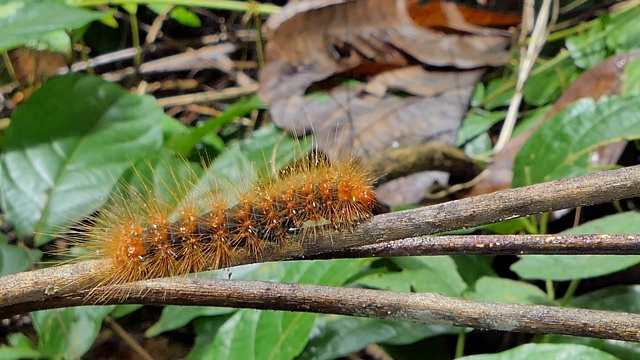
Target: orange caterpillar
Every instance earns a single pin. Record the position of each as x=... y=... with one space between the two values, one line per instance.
x=141 y=241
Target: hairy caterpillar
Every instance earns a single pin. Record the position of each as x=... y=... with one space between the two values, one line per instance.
x=146 y=237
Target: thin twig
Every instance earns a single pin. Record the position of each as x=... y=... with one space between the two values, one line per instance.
x=560 y=244
x=208 y=96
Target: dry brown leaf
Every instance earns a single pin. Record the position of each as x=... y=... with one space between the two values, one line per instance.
x=463 y=17
x=414 y=83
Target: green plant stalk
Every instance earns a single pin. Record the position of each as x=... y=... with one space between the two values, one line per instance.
x=535 y=226
x=462 y=337
x=135 y=38
x=9 y=65
x=210 y=4
x=234 y=111
x=573 y=286
x=259 y=43
x=544 y=222
x=529 y=226
x=84 y=55
x=551 y=293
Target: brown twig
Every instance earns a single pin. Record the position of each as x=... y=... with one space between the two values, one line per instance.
x=417 y=307
x=57 y=287
x=570 y=244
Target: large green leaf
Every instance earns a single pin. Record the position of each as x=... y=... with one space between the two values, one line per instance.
x=186 y=143
x=478 y=122
x=23 y=21
x=436 y=274
x=252 y=334
x=569 y=267
x=587 y=49
x=68 y=333
x=622 y=350
x=67 y=145
x=547 y=82
x=338 y=336
x=562 y=145
x=624 y=31
x=508 y=291
x=564 y=268
x=473 y=267
x=616 y=298
x=546 y=352
x=20 y=347
x=13 y=259
x=631 y=78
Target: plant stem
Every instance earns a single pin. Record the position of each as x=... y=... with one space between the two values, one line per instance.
x=551 y=293
x=462 y=337
x=573 y=286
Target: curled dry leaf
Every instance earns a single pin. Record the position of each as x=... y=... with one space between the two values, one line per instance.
x=413 y=82
x=603 y=79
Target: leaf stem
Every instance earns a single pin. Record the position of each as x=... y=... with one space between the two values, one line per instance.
x=573 y=286
x=462 y=337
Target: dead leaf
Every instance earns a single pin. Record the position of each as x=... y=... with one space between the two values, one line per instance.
x=471 y=17
x=414 y=83
x=32 y=65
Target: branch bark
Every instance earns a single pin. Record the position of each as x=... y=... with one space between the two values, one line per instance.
x=417 y=307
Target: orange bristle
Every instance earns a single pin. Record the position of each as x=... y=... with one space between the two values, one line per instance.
x=145 y=238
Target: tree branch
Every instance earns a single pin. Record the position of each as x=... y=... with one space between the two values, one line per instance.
x=417 y=307
x=64 y=286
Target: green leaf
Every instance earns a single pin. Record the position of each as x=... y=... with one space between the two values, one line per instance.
x=545 y=352
x=476 y=123
x=508 y=291
x=339 y=336
x=569 y=267
x=473 y=267
x=624 y=35
x=240 y=108
x=499 y=93
x=631 y=78
x=175 y=317
x=563 y=268
x=23 y=21
x=511 y=226
x=13 y=259
x=562 y=145
x=616 y=298
x=20 y=347
x=67 y=145
x=622 y=350
x=437 y=274
x=623 y=223
x=124 y=310
x=252 y=334
x=185 y=17
x=68 y=333
x=585 y=52
x=545 y=86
